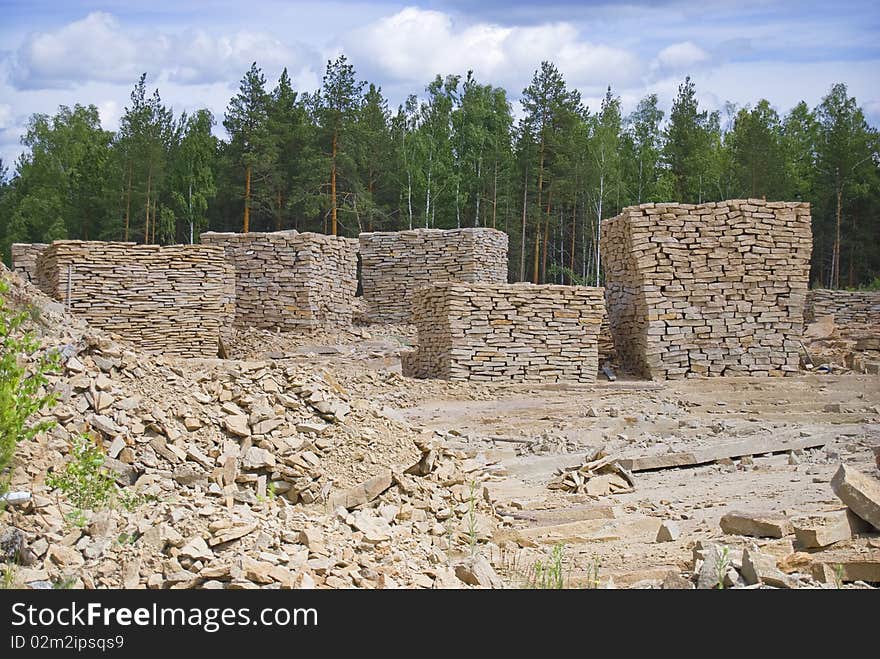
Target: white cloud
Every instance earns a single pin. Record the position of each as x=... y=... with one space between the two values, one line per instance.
x=5 y=116
x=679 y=58
x=99 y=49
x=415 y=44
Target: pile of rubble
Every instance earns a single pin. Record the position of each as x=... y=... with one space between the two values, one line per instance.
x=248 y=474
x=836 y=349
x=831 y=550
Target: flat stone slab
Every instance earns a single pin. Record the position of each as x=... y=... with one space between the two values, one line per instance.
x=860 y=492
x=595 y=530
x=855 y=564
x=727 y=450
x=818 y=531
x=757 y=524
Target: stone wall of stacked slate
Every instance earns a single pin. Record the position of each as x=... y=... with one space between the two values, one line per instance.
x=175 y=300
x=709 y=289
x=395 y=264
x=24 y=259
x=856 y=313
x=291 y=281
x=506 y=332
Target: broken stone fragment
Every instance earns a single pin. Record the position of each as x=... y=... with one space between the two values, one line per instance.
x=258 y=458
x=196 y=549
x=759 y=525
x=477 y=571
x=237 y=424
x=363 y=492
x=761 y=568
x=374 y=528
x=860 y=492
x=668 y=532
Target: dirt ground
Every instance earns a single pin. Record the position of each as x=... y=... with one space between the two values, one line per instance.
x=531 y=431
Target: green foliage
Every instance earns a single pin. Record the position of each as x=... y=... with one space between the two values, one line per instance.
x=550 y=574
x=84 y=480
x=88 y=485
x=449 y=157
x=23 y=371
x=7 y=577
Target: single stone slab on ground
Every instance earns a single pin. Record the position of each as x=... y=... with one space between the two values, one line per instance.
x=668 y=532
x=761 y=568
x=860 y=492
x=759 y=525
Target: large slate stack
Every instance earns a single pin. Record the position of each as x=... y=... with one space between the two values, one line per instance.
x=395 y=264
x=856 y=313
x=290 y=281
x=514 y=332
x=24 y=259
x=708 y=289
x=176 y=300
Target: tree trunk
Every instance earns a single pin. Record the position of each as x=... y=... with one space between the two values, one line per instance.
x=147 y=218
x=128 y=203
x=535 y=273
x=278 y=201
x=247 y=199
x=495 y=195
x=537 y=263
x=333 y=187
x=522 y=245
x=573 y=240
x=479 y=174
x=546 y=236
x=835 y=258
x=599 y=224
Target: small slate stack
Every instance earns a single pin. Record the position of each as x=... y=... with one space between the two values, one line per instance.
x=177 y=300
x=856 y=313
x=709 y=289
x=24 y=259
x=514 y=332
x=395 y=264
x=287 y=280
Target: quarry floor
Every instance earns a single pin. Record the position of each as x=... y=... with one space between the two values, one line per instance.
x=530 y=431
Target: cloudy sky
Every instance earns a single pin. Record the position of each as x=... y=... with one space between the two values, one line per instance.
x=54 y=53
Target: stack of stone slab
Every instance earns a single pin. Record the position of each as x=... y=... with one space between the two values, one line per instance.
x=856 y=313
x=24 y=259
x=290 y=281
x=708 y=289
x=513 y=332
x=395 y=264
x=177 y=300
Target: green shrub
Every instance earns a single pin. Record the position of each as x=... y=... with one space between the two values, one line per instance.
x=21 y=384
x=88 y=485
x=84 y=479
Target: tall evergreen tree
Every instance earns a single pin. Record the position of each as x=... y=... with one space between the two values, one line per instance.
x=246 y=121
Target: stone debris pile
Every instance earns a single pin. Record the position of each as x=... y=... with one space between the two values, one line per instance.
x=290 y=281
x=708 y=289
x=176 y=300
x=237 y=474
x=518 y=332
x=395 y=264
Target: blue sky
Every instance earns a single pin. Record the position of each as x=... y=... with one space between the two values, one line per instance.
x=55 y=53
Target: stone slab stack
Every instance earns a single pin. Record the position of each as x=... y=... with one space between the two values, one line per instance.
x=708 y=289
x=506 y=332
x=856 y=313
x=176 y=300
x=395 y=264
x=291 y=281
x=24 y=259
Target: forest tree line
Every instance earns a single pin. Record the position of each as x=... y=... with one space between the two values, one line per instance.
x=340 y=160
